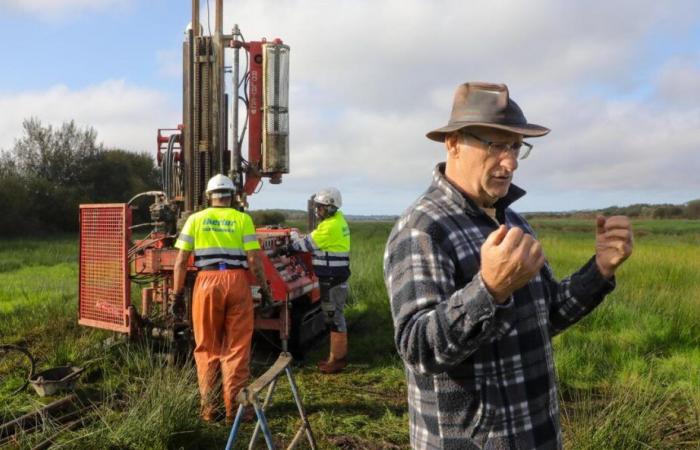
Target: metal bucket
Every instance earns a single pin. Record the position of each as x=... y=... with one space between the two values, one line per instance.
x=50 y=381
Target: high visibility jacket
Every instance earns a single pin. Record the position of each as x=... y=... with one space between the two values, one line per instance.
x=219 y=236
x=330 y=245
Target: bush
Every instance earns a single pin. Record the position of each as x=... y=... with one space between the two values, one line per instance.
x=50 y=171
x=692 y=209
x=261 y=218
x=16 y=205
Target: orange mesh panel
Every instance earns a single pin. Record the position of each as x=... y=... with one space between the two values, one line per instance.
x=104 y=294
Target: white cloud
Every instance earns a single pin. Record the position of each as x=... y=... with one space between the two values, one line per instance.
x=369 y=79
x=124 y=116
x=390 y=51
x=372 y=77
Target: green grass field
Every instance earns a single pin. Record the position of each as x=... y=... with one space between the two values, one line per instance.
x=629 y=373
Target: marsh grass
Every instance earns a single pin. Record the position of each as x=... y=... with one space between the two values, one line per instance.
x=628 y=373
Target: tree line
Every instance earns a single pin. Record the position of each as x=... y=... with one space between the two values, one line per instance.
x=689 y=210
x=50 y=171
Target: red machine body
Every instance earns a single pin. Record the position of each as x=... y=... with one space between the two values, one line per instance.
x=110 y=262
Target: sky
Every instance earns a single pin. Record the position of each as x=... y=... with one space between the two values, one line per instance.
x=617 y=82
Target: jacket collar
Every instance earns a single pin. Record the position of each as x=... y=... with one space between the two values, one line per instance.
x=463 y=201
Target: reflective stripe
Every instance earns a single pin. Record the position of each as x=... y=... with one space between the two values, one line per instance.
x=327 y=263
x=233 y=262
x=222 y=256
x=186 y=238
x=219 y=251
x=250 y=238
x=323 y=254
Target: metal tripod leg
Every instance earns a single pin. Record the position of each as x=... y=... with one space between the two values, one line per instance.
x=249 y=396
x=305 y=426
x=234 y=429
x=262 y=422
x=270 y=390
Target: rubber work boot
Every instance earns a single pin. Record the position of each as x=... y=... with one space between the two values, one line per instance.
x=339 y=350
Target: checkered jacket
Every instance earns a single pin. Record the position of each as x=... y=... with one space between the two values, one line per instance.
x=479 y=375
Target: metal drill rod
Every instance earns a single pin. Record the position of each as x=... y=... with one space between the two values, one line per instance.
x=235 y=150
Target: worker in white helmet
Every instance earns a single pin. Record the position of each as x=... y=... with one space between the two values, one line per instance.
x=330 y=245
x=225 y=246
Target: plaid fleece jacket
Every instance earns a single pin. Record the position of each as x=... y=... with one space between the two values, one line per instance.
x=479 y=376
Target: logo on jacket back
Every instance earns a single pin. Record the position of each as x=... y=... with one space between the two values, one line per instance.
x=223 y=225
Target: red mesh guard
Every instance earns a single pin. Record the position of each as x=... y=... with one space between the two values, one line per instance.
x=104 y=294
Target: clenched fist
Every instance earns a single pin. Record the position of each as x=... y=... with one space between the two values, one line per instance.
x=509 y=259
x=613 y=243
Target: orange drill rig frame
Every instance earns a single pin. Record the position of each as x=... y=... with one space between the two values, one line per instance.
x=113 y=264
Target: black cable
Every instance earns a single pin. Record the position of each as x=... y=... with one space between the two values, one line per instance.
x=245 y=124
x=246 y=72
x=260 y=186
x=170 y=165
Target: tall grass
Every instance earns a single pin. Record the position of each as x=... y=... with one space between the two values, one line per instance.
x=629 y=372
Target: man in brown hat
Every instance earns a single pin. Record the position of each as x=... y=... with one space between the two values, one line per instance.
x=474 y=301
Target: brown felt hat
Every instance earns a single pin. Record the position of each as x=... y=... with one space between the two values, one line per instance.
x=478 y=104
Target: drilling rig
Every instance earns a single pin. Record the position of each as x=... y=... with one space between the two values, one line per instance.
x=114 y=265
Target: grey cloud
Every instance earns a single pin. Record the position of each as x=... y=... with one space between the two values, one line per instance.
x=380 y=54
x=678 y=82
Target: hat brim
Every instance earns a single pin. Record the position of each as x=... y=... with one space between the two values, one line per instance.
x=529 y=130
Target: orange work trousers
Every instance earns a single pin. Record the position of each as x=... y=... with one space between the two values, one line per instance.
x=222 y=318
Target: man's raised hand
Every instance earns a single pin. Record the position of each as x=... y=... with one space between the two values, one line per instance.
x=613 y=243
x=509 y=259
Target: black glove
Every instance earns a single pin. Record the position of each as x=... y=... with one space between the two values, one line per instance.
x=281 y=250
x=266 y=301
x=177 y=305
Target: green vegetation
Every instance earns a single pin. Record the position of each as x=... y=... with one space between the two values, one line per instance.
x=268 y=217
x=628 y=372
x=50 y=171
x=688 y=210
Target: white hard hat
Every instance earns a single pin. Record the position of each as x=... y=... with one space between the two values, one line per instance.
x=329 y=196
x=220 y=183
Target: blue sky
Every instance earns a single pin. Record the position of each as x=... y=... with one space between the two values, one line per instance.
x=617 y=82
x=81 y=49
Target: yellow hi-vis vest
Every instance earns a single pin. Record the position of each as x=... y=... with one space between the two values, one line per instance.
x=330 y=245
x=219 y=236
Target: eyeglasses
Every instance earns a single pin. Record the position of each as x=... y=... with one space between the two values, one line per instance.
x=520 y=150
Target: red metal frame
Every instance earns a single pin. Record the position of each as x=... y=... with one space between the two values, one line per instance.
x=294 y=277
x=289 y=277
x=255 y=114
x=105 y=289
